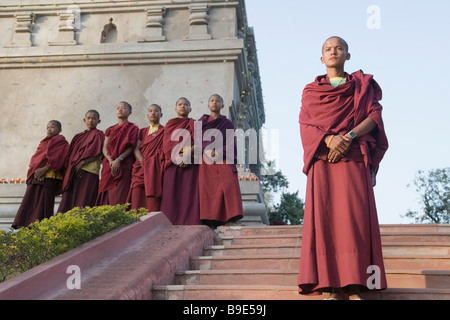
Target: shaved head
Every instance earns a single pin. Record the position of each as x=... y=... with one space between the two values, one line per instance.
x=342 y=41
x=56 y=123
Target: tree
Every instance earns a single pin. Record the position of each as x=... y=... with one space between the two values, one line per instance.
x=434 y=187
x=273 y=182
x=290 y=210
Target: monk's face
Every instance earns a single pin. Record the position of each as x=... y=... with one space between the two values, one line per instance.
x=52 y=129
x=154 y=114
x=215 y=104
x=91 y=120
x=183 y=108
x=122 y=111
x=334 y=53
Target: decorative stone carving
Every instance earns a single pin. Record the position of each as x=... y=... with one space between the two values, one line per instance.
x=109 y=33
x=66 y=30
x=199 y=21
x=154 y=25
x=23 y=29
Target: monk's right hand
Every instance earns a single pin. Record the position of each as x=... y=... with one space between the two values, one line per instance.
x=340 y=144
x=115 y=167
x=40 y=173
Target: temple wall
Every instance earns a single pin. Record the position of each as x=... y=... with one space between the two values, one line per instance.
x=59 y=60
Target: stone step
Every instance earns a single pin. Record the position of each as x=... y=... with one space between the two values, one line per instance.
x=414 y=262
x=283 y=238
x=255 y=292
x=271 y=230
x=268 y=230
x=409 y=294
x=443 y=237
x=439 y=279
x=229 y=292
x=430 y=248
x=292 y=261
x=252 y=249
x=261 y=263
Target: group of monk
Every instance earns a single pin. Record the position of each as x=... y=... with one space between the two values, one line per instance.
x=136 y=166
x=344 y=141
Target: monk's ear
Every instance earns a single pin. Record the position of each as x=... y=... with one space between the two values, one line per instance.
x=348 y=56
x=322 y=60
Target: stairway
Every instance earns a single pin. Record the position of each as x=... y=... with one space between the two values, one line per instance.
x=261 y=263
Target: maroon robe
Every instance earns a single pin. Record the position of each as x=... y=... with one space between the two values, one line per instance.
x=341 y=236
x=180 y=199
x=81 y=192
x=114 y=190
x=39 y=199
x=146 y=182
x=219 y=190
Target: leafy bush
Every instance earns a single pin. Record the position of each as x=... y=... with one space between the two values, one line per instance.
x=43 y=240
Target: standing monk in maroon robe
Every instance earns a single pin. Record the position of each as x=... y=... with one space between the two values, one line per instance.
x=220 y=194
x=44 y=178
x=80 y=185
x=146 y=181
x=180 y=199
x=344 y=141
x=120 y=141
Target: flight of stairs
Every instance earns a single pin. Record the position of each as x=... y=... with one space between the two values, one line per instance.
x=262 y=263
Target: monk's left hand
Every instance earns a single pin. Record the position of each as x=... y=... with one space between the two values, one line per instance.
x=78 y=171
x=334 y=156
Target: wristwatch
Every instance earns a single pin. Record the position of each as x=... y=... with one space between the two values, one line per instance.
x=352 y=134
x=120 y=158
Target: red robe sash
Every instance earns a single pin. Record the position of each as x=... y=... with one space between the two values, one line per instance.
x=51 y=151
x=84 y=145
x=328 y=110
x=168 y=145
x=151 y=175
x=121 y=137
x=222 y=124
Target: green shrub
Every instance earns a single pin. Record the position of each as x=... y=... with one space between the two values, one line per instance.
x=43 y=240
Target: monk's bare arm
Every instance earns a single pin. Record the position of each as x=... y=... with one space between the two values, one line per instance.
x=138 y=154
x=115 y=165
x=105 y=150
x=127 y=153
x=365 y=127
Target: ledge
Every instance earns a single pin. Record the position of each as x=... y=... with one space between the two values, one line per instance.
x=176 y=51
x=50 y=7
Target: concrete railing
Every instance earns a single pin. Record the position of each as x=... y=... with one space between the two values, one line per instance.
x=49 y=280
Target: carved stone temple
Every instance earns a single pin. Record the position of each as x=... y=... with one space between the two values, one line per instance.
x=59 y=59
